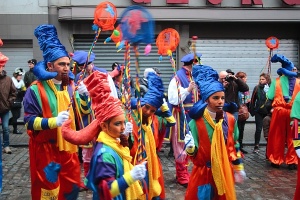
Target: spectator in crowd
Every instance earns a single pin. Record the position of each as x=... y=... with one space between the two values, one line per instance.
x=295 y=69
x=183 y=82
x=258 y=108
x=282 y=92
x=54 y=164
x=212 y=144
x=244 y=98
x=17 y=105
x=29 y=77
x=8 y=94
x=233 y=86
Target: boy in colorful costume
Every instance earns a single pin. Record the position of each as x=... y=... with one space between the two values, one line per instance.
x=155 y=118
x=282 y=92
x=213 y=142
x=189 y=95
x=111 y=174
x=45 y=109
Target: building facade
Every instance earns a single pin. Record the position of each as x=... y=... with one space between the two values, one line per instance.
x=231 y=33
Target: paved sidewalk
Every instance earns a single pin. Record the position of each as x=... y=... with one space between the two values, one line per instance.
x=263 y=182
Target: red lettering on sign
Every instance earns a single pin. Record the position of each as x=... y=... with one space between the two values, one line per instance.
x=215 y=2
x=141 y=1
x=291 y=2
x=178 y=1
x=249 y=2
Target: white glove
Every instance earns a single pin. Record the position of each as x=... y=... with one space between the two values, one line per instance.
x=189 y=140
x=165 y=103
x=82 y=89
x=138 y=172
x=128 y=129
x=62 y=117
x=239 y=176
x=298 y=152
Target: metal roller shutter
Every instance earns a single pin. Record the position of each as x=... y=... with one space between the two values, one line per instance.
x=247 y=55
x=18 y=52
x=106 y=54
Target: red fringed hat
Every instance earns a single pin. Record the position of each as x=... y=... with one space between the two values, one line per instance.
x=105 y=105
x=3 y=59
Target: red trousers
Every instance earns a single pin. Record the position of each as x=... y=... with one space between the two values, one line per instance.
x=280 y=134
x=48 y=185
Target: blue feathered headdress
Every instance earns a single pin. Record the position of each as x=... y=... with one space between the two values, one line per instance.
x=207 y=80
x=155 y=93
x=286 y=65
x=52 y=50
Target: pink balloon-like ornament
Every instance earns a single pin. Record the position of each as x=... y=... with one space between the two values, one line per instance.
x=148 y=49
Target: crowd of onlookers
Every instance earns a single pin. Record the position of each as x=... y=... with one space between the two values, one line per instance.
x=12 y=92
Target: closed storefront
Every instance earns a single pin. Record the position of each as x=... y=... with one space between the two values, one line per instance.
x=246 y=55
x=18 y=52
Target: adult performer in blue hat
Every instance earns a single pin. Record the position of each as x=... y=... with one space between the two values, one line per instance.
x=54 y=164
x=80 y=57
x=188 y=96
x=282 y=93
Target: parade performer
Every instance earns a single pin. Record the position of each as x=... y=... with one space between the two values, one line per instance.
x=295 y=115
x=54 y=164
x=156 y=116
x=80 y=57
x=111 y=175
x=282 y=92
x=213 y=142
x=188 y=96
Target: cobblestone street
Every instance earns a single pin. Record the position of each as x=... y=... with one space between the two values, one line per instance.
x=263 y=182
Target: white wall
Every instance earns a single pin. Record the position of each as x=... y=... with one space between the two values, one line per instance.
x=24 y=7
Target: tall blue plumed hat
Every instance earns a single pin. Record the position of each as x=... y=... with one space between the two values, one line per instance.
x=207 y=80
x=286 y=65
x=52 y=50
x=155 y=93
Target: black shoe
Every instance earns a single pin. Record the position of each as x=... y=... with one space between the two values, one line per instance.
x=292 y=166
x=244 y=151
x=256 y=149
x=17 y=132
x=274 y=165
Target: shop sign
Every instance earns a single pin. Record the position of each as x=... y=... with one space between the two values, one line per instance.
x=216 y=2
